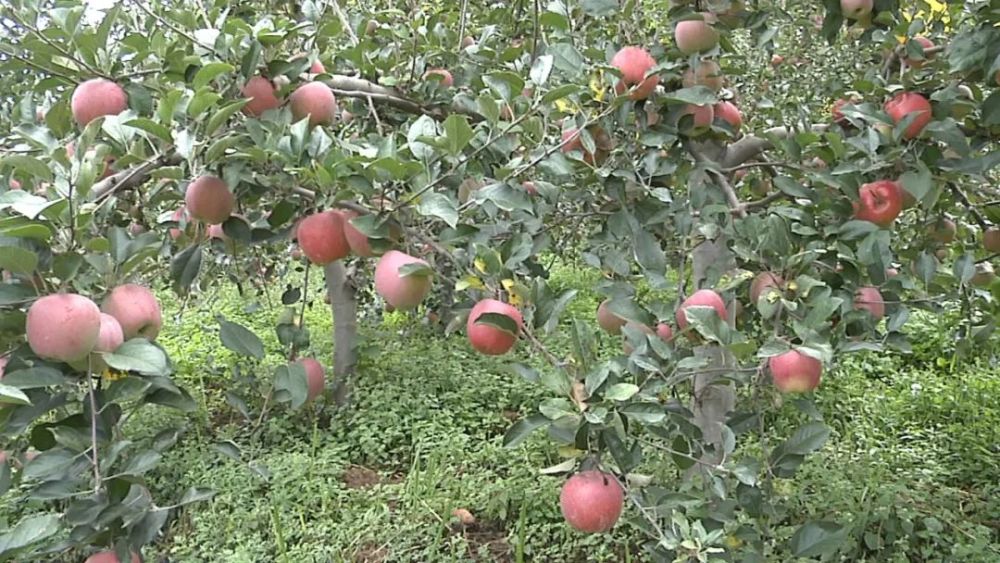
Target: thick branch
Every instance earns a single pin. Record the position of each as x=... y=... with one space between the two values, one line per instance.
x=345 y=329
x=752 y=145
x=133 y=177
x=354 y=87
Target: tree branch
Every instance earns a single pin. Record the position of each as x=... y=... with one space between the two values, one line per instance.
x=968 y=205
x=133 y=177
x=752 y=145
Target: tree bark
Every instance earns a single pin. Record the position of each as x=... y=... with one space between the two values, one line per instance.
x=344 y=308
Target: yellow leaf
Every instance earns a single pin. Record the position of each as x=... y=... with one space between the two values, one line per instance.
x=480 y=264
x=507 y=284
x=565 y=106
x=469 y=281
x=569 y=451
x=597 y=85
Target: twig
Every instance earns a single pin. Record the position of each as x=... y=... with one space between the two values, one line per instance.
x=534 y=37
x=552 y=358
x=93 y=426
x=763 y=163
x=766 y=200
x=345 y=22
x=461 y=24
x=699 y=461
x=551 y=150
x=59 y=48
x=968 y=205
x=374 y=112
x=40 y=67
x=132 y=177
x=142 y=6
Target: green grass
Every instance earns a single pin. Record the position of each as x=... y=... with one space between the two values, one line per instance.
x=911 y=470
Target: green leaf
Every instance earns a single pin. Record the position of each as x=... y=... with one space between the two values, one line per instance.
x=139 y=355
x=28 y=531
x=291 y=379
x=556 y=381
x=28 y=164
x=33 y=378
x=151 y=127
x=807 y=438
x=498 y=320
x=196 y=494
x=646 y=413
x=599 y=8
x=184 y=267
x=439 y=205
x=10 y=395
x=241 y=340
x=560 y=92
x=18 y=260
x=648 y=252
x=415 y=269
x=697 y=95
x=142 y=462
x=917 y=183
x=854 y=229
x=457 y=133
x=208 y=72
x=528 y=373
x=621 y=391
x=222 y=114
x=523 y=428
x=818 y=538
x=540 y=70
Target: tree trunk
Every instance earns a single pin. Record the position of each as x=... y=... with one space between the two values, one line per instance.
x=344 y=307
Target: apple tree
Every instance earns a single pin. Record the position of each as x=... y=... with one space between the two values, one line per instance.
x=435 y=158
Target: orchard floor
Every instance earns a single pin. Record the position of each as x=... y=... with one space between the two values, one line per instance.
x=912 y=467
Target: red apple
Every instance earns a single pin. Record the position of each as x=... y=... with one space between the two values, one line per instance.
x=110 y=336
x=602 y=141
x=208 y=199
x=925 y=43
x=764 y=281
x=984 y=275
x=262 y=94
x=529 y=187
x=707 y=73
x=728 y=112
x=317 y=67
x=136 y=309
x=904 y=104
x=869 y=298
x=467 y=42
x=664 y=331
x=701 y=298
x=592 y=501
x=315 y=377
x=795 y=372
x=321 y=237
x=634 y=63
x=181 y=216
x=991 y=240
x=880 y=202
x=95 y=98
x=357 y=240
x=776 y=60
x=608 y=321
x=446 y=80
x=838 y=116
x=856 y=9
x=943 y=231
x=403 y=292
x=696 y=36
x=314 y=100
x=488 y=339
x=63 y=327
x=703 y=116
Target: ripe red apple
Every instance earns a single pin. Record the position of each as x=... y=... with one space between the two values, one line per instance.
x=838 y=116
x=217 y=232
x=95 y=98
x=315 y=377
x=608 y=321
x=703 y=116
x=402 y=292
x=601 y=140
x=322 y=238
x=109 y=557
x=136 y=309
x=707 y=73
x=856 y=9
x=776 y=60
x=634 y=63
x=925 y=43
x=315 y=100
x=695 y=36
x=701 y=298
x=63 y=327
x=795 y=372
x=110 y=336
x=317 y=67
x=529 y=187
x=14 y=184
x=181 y=216
x=208 y=199
x=446 y=80
x=942 y=230
x=880 y=202
x=991 y=240
x=263 y=96
x=904 y=104
x=664 y=331
x=357 y=240
x=870 y=299
x=728 y=112
x=467 y=42
x=489 y=339
x=764 y=281
x=591 y=501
